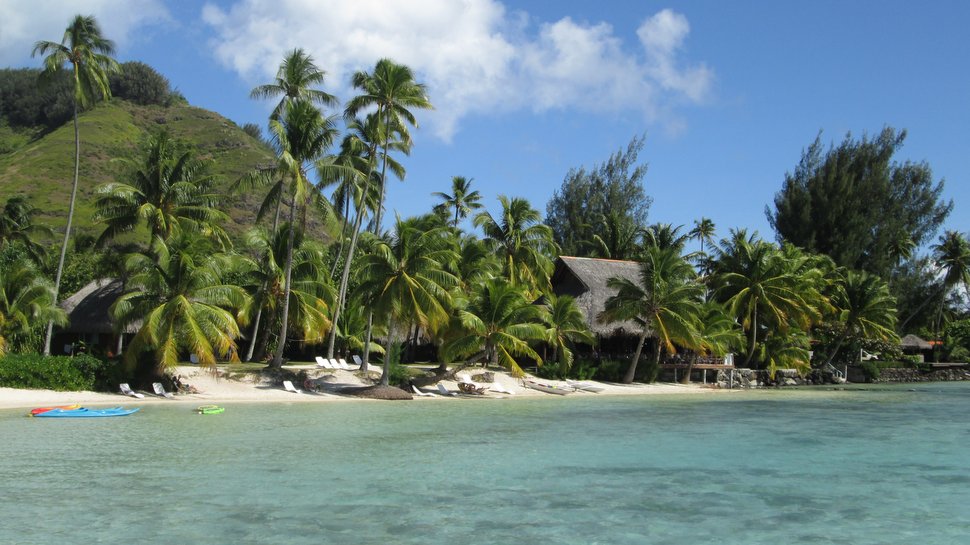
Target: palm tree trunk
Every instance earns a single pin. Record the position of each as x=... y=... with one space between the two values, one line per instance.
x=754 y=336
x=343 y=235
x=367 y=340
x=838 y=345
x=377 y=226
x=386 y=375
x=690 y=367
x=67 y=230
x=252 y=341
x=278 y=357
x=631 y=371
x=922 y=305
x=344 y=279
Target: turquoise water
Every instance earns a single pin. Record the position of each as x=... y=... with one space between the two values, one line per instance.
x=882 y=466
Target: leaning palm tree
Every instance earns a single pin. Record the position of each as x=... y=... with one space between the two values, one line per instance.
x=462 y=199
x=26 y=299
x=521 y=241
x=294 y=77
x=664 y=303
x=168 y=185
x=404 y=281
x=17 y=225
x=88 y=53
x=180 y=295
x=498 y=324
x=565 y=325
x=865 y=309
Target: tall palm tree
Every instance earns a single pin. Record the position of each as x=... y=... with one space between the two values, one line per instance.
x=296 y=74
x=952 y=257
x=718 y=335
x=17 y=225
x=88 y=53
x=665 y=235
x=618 y=238
x=865 y=309
x=521 y=242
x=462 y=198
x=26 y=298
x=180 y=295
x=302 y=136
x=665 y=303
x=168 y=185
x=703 y=232
x=499 y=322
x=404 y=281
x=565 y=325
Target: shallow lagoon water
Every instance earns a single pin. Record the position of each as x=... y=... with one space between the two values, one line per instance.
x=876 y=465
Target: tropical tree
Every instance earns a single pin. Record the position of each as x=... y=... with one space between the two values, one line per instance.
x=565 y=325
x=864 y=308
x=618 y=237
x=168 y=185
x=952 y=258
x=17 y=225
x=404 y=281
x=665 y=235
x=26 y=299
x=521 y=242
x=475 y=263
x=703 y=232
x=294 y=78
x=88 y=54
x=462 y=199
x=718 y=335
x=664 y=303
x=179 y=293
x=498 y=324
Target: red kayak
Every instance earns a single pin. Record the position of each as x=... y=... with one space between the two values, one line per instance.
x=35 y=412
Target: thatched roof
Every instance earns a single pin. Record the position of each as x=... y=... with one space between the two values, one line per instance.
x=88 y=308
x=913 y=342
x=585 y=279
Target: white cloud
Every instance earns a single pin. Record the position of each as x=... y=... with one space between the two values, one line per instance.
x=25 y=22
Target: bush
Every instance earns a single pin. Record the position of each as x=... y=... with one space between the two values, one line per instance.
x=62 y=373
x=579 y=370
x=139 y=83
x=870 y=370
x=610 y=370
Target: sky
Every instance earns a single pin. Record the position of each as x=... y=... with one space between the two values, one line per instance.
x=727 y=94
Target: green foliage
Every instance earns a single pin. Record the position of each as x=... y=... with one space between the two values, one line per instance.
x=580 y=370
x=610 y=370
x=524 y=245
x=26 y=103
x=581 y=209
x=870 y=370
x=139 y=83
x=61 y=373
x=854 y=204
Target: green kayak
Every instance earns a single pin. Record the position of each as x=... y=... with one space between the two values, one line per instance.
x=211 y=409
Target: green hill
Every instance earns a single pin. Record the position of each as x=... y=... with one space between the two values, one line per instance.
x=41 y=168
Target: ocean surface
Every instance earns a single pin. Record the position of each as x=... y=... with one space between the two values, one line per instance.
x=881 y=465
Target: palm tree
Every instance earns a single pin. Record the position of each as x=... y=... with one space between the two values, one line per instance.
x=17 y=225
x=462 y=199
x=718 y=335
x=565 y=325
x=703 y=231
x=294 y=77
x=26 y=299
x=619 y=238
x=952 y=256
x=88 y=53
x=664 y=303
x=404 y=281
x=184 y=305
x=865 y=309
x=168 y=185
x=665 y=235
x=521 y=242
x=498 y=323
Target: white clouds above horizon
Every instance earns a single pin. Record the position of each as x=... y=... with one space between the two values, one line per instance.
x=475 y=56
x=25 y=22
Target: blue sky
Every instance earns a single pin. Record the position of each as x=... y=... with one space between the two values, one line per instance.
x=727 y=93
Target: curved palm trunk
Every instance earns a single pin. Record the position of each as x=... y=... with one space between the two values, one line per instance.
x=631 y=371
x=278 y=357
x=67 y=230
x=754 y=337
x=344 y=279
x=259 y=312
x=386 y=375
x=343 y=235
x=922 y=305
x=838 y=345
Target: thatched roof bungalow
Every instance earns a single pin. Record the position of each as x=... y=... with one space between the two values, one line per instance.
x=585 y=279
x=88 y=308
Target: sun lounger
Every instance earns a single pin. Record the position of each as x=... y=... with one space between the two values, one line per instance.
x=288 y=386
x=322 y=362
x=496 y=387
x=420 y=393
x=125 y=389
x=358 y=361
x=343 y=364
x=335 y=364
x=444 y=391
x=160 y=390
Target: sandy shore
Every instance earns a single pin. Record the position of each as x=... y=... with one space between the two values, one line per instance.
x=219 y=389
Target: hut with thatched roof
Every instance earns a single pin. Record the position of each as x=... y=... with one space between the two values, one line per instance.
x=911 y=344
x=90 y=322
x=586 y=278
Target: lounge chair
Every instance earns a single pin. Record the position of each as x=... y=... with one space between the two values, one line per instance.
x=125 y=389
x=160 y=390
x=444 y=391
x=288 y=386
x=496 y=387
x=358 y=361
x=343 y=364
x=322 y=362
x=334 y=364
x=420 y=393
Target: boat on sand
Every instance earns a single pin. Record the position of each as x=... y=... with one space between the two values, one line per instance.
x=547 y=388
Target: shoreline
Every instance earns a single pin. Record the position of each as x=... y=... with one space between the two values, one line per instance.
x=219 y=389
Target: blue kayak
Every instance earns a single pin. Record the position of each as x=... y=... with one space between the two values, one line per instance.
x=84 y=412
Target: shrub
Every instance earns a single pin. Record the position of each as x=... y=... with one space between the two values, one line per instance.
x=139 y=83
x=610 y=370
x=62 y=373
x=870 y=370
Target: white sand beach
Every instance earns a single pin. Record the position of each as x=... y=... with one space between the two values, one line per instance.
x=218 y=389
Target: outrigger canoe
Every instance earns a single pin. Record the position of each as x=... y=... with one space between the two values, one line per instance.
x=84 y=412
x=547 y=388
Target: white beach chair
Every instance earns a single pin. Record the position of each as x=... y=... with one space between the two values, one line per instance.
x=322 y=362
x=334 y=364
x=420 y=393
x=288 y=386
x=125 y=389
x=343 y=364
x=444 y=391
x=160 y=390
x=358 y=361
x=496 y=387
